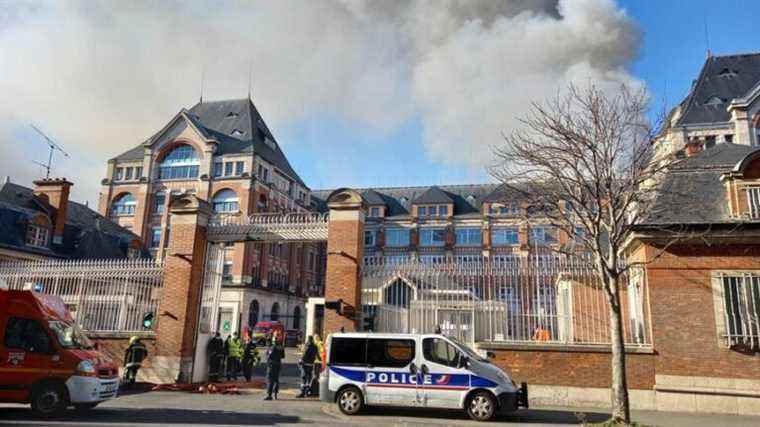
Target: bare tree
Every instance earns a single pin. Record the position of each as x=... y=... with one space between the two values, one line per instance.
x=585 y=161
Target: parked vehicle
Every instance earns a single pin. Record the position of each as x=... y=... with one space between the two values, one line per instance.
x=431 y=371
x=263 y=331
x=46 y=360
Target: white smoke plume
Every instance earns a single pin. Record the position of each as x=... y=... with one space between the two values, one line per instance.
x=103 y=76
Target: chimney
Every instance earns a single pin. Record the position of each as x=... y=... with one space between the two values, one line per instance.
x=55 y=191
x=693 y=147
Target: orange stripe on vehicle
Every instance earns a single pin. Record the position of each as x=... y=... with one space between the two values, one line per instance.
x=35 y=370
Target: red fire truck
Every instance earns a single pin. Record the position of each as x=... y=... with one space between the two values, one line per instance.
x=46 y=359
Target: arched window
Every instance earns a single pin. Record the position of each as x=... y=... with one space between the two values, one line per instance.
x=275 y=313
x=253 y=314
x=124 y=205
x=399 y=293
x=182 y=162
x=297 y=318
x=226 y=201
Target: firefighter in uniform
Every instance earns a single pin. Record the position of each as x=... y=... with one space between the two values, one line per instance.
x=310 y=355
x=215 y=351
x=133 y=358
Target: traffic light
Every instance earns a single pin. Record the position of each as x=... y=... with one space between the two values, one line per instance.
x=148 y=320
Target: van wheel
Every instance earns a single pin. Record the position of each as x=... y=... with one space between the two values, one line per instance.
x=481 y=406
x=84 y=407
x=350 y=401
x=49 y=399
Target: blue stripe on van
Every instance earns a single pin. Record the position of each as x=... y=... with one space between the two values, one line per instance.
x=350 y=374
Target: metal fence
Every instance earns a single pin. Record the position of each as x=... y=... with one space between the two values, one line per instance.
x=102 y=295
x=543 y=299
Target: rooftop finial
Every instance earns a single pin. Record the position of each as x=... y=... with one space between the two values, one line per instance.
x=707 y=39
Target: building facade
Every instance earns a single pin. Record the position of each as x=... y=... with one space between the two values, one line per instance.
x=223 y=153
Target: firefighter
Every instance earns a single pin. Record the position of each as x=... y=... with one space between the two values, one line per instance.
x=275 y=354
x=234 y=355
x=250 y=358
x=133 y=358
x=215 y=351
x=310 y=355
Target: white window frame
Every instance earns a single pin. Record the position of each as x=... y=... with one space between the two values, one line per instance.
x=373 y=237
x=37 y=236
x=155 y=243
x=391 y=242
x=469 y=232
x=750 y=317
x=753 y=202
x=427 y=236
x=508 y=231
x=227 y=200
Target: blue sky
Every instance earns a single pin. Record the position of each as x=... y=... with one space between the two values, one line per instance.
x=359 y=93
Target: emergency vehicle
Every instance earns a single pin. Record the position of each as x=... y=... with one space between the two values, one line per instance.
x=46 y=359
x=433 y=371
x=263 y=331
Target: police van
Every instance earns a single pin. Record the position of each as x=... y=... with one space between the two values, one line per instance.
x=432 y=371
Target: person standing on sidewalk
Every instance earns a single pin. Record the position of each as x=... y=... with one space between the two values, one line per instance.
x=234 y=355
x=275 y=354
x=250 y=358
x=310 y=354
x=215 y=351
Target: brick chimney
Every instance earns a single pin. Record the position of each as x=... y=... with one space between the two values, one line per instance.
x=55 y=191
x=693 y=146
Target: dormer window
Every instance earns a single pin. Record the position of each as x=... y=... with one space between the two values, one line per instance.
x=404 y=201
x=714 y=100
x=374 y=212
x=37 y=236
x=237 y=132
x=471 y=199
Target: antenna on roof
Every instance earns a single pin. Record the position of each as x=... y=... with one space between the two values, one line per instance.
x=250 y=77
x=203 y=75
x=707 y=37
x=53 y=147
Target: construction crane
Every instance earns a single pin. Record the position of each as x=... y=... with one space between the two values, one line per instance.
x=53 y=147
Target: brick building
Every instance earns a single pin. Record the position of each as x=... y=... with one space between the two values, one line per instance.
x=224 y=153
x=42 y=223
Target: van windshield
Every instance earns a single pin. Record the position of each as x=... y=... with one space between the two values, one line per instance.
x=70 y=335
x=470 y=352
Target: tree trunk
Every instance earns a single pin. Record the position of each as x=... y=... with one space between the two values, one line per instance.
x=621 y=411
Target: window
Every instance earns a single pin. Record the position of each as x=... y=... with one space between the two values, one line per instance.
x=421 y=211
x=432 y=211
x=124 y=205
x=218 y=167
x=155 y=237
x=348 y=351
x=741 y=309
x=138 y=172
x=128 y=174
x=443 y=210
x=397 y=237
x=159 y=201
x=118 y=174
x=542 y=235
x=369 y=238
x=468 y=236
x=228 y=168
x=227 y=270
x=226 y=201
x=432 y=236
x=753 y=200
x=253 y=314
x=27 y=335
x=374 y=212
x=239 y=168
x=181 y=163
x=275 y=313
x=37 y=236
x=438 y=350
x=505 y=236
x=728 y=138
x=709 y=141
x=636 y=306
x=389 y=353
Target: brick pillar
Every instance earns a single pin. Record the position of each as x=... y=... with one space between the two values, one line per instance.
x=183 y=278
x=345 y=252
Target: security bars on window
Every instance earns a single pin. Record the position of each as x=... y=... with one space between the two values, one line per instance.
x=753 y=200
x=103 y=295
x=741 y=309
x=538 y=299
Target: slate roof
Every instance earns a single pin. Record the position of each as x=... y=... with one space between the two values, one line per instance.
x=372 y=197
x=467 y=199
x=692 y=192
x=725 y=77
x=87 y=234
x=433 y=195
x=239 y=128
